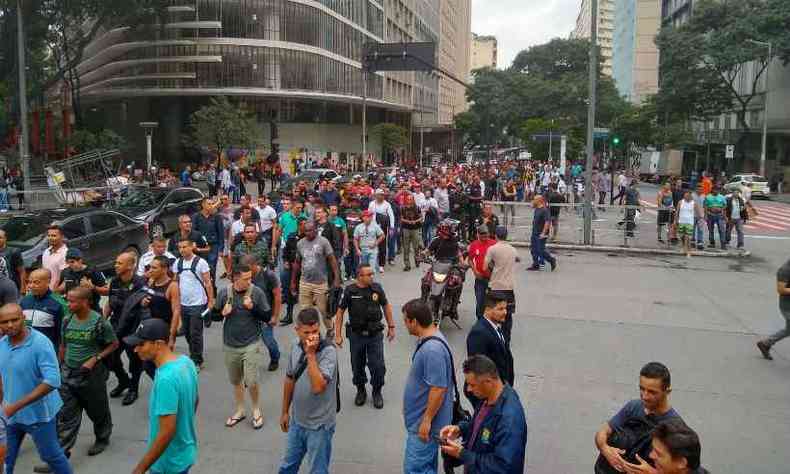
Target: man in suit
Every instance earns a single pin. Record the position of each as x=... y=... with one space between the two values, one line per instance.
x=486 y=338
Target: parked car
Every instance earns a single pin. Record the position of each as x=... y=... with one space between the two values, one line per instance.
x=317 y=174
x=758 y=184
x=159 y=208
x=100 y=234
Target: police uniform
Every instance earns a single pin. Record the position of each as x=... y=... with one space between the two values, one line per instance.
x=475 y=208
x=365 y=332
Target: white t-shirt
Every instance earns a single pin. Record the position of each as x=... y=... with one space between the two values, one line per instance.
x=192 y=293
x=238 y=227
x=148 y=257
x=442 y=199
x=268 y=217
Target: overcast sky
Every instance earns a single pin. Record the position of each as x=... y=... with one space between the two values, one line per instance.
x=519 y=24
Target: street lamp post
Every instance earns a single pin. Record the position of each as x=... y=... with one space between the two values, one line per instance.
x=149 y=134
x=24 y=154
x=591 y=124
x=765 y=103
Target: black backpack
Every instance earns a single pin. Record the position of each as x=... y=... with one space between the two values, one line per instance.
x=193 y=269
x=635 y=437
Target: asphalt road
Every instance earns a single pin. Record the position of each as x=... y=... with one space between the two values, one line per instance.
x=580 y=336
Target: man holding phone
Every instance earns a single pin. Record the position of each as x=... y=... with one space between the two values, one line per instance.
x=495 y=439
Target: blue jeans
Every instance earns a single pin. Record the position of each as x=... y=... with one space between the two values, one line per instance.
x=539 y=253
x=370 y=257
x=350 y=262
x=392 y=244
x=267 y=335
x=315 y=444
x=419 y=457
x=4 y=200
x=736 y=224
x=45 y=437
x=717 y=220
x=699 y=231
x=427 y=233
x=481 y=286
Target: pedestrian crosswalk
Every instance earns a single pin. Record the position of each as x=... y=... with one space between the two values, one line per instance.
x=773 y=217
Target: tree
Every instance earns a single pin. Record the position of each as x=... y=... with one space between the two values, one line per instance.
x=391 y=136
x=707 y=63
x=222 y=125
x=83 y=140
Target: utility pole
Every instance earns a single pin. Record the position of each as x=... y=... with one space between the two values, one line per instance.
x=364 y=113
x=24 y=154
x=591 y=124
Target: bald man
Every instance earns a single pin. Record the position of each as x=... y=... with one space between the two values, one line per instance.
x=42 y=311
x=541 y=227
x=123 y=285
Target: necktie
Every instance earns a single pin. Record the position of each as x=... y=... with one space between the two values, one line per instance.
x=501 y=335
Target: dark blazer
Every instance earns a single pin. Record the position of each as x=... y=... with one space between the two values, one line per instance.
x=483 y=339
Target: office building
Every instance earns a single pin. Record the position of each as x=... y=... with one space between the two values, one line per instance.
x=634 y=52
x=294 y=62
x=605 y=30
x=483 y=52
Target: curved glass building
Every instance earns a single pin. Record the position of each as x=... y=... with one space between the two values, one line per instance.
x=295 y=62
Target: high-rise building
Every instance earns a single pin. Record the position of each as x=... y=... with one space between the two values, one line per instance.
x=454 y=57
x=295 y=62
x=676 y=12
x=605 y=30
x=483 y=52
x=634 y=52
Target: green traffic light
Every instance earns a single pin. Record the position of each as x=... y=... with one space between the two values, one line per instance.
x=616 y=140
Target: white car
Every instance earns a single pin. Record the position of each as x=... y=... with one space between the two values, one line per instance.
x=758 y=184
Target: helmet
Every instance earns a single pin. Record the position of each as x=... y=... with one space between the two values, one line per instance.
x=444 y=230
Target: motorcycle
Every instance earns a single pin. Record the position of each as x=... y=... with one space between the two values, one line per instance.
x=441 y=289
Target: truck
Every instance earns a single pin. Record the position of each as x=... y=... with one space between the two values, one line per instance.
x=656 y=165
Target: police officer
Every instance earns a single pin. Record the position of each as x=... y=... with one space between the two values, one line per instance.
x=474 y=194
x=364 y=301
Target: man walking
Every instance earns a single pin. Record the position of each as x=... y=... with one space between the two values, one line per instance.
x=30 y=379
x=314 y=254
x=495 y=439
x=266 y=279
x=54 y=256
x=364 y=301
x=122 y=286
x=310 y=398
x=172 y=437
x=477 y=256
x=411 y=223
x=88 y=338
x=158 y=248
x=541 y=227
x=42 y=311
x=243 y=307
x=197 y=295
x=783 y=289
x=715 y=206
x=11 y=264
x=208 y=223
x=367 y=237
x=429 y=390
x=501 y=261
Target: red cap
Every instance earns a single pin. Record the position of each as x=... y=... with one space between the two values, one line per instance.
x=367 y=213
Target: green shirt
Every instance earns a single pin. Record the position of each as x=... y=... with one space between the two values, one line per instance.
x=85 y=339
x=289 y=224
x=717 y=201
x=175 y=392
x=259 y=250
x=339 y=223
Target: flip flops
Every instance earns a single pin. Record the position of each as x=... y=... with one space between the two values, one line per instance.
x=257 y=422
x=235 y=420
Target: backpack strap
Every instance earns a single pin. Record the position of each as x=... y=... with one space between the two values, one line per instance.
x=452 y=363
x=193 y=269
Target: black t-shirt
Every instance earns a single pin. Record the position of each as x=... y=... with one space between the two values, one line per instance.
x=71 y=279
x=120 y=291
x=539 y=220
x=444 y=249
x=194 y=236
x=10 y=263
x=784 y=275
x=555 y=198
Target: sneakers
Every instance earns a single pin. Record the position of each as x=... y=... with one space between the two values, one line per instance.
x=407 y=268
x=533 y=269
x=274 y=365
x=362 y=396
x=765 y=349
x=42 y=469
x=378 y=400
x=553 y=265
x=131 y=397
x=98 y=447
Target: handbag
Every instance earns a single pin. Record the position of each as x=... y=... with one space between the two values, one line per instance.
x=460 y=414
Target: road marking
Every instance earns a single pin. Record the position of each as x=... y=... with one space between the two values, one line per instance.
x=766 y=237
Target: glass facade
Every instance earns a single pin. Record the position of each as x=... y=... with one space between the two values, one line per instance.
x=294 y=46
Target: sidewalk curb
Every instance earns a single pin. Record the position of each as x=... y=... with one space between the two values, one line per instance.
x=635 y=251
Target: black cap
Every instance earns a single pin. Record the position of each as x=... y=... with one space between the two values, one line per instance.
x=501 y=232
x=152 y=329
x=73 y=254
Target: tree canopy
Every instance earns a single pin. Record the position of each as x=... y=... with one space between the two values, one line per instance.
x=707 y=63
x=222 y=124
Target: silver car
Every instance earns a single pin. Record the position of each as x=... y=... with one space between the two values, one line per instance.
x=758 y=184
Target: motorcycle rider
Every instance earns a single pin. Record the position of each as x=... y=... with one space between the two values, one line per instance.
x=445 y=246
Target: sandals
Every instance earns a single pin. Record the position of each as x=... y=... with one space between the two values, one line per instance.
x=235 y=420
x=257 y=422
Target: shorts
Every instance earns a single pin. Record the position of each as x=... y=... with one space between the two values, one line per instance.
x=243 y=363
x=685 y=230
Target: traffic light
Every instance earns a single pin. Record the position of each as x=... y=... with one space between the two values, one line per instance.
x=616 y=141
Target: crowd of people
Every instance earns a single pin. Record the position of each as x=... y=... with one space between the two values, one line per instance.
x=281 y=253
